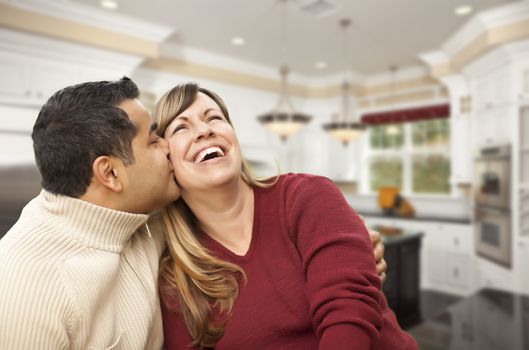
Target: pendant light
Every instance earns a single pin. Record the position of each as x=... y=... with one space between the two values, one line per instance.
x=283 y=120
x=343 y=127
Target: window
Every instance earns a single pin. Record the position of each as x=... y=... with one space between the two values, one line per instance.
x=413 y=156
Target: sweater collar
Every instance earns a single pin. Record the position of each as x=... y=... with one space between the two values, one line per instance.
x=92 y=225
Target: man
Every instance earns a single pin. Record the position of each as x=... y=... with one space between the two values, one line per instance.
x=79 y=269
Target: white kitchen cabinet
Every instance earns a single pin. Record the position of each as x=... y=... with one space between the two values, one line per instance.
x=50 y=77
x=461 y=154
x=31 y=82
x=522 y=256
x=447 y=253
x=494 y=126
x=448 y=258
x=457 y=269
x=493 y=89
x=14 y=84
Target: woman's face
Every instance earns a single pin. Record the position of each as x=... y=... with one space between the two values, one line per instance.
x=204 y=149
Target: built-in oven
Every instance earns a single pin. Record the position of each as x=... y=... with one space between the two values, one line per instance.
x=493 y=234
x=493 y=177
x=492 y=204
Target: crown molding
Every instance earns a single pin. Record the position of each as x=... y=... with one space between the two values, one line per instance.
x=487 y=31
x=484 y=21
x=94 y=17
x=34 y=46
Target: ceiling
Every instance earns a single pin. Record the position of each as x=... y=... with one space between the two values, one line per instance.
x=383 y=32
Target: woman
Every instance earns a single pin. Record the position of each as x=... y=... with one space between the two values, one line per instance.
x=251 y=264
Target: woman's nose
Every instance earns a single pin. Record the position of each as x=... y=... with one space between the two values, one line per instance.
x=203 y=130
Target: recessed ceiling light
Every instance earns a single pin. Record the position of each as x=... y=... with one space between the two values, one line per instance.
x=320 y=65
x=109 y=4
x=463 y=10
x=237 y=41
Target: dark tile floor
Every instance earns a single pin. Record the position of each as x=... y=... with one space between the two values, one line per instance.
x=433 y=303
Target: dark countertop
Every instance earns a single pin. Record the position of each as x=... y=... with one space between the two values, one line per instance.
x=402 y=237
x=450 y=220
x=487 y=320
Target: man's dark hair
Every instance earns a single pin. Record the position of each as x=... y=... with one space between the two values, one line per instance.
x=78 y=124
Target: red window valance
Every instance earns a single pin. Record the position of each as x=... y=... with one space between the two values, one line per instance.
x=407 y=115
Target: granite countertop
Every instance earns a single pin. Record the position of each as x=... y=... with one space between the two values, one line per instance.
x=452 y=220
x=487 y=320
x=398 y=237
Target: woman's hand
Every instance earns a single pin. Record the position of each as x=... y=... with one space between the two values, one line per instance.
x=378 y=251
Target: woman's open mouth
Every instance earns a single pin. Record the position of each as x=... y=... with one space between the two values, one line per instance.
x=209 y=153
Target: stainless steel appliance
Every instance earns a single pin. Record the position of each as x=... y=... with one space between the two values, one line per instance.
x=493 y=177
x=492 y=199
x=493 y=234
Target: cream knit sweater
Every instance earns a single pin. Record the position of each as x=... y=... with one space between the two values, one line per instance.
x=78 y=276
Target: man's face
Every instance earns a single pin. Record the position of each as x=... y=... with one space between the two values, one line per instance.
x=149 y=183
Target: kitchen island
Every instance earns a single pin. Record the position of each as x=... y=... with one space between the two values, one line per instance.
x=402 y=285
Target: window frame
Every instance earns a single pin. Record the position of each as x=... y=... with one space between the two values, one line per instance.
x=406 y=155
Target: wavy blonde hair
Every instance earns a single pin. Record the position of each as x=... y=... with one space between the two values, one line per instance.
x=192 y=280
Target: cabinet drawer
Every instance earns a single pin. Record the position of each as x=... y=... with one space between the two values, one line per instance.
x=457 y=270
x=460 y=242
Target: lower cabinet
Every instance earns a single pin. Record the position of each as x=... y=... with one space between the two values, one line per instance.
x=446 y=255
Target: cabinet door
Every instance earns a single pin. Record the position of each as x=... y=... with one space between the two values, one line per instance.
x=436 y=266
x=51 y=77
x=493 y=89
x=493 y=126
x=14 y=78
x=457 y=266
x=461 y=149
x=522 y=247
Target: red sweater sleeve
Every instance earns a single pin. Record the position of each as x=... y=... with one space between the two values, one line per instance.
x=343 y=288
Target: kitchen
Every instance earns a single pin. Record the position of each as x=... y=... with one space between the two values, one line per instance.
x=464 y=170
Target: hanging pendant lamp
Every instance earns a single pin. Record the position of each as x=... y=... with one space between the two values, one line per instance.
x=343 y=126
x=283 y=120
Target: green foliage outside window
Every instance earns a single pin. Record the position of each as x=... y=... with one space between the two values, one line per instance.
x=430 y=133
x=385 y=172
x=430 y=171
x=431 y=174
x=387 y=136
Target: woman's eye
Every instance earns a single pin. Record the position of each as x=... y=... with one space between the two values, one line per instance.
x=215 y=117
x=178 y=128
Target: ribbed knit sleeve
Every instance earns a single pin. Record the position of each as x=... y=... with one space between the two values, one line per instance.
x=342 y=286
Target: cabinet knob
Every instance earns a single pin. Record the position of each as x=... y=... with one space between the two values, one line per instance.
x=456 y=241
x=456 y=272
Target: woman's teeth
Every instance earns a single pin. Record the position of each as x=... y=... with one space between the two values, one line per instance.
x=217 y=151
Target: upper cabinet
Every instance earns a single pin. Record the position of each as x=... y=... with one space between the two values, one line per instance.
x=14 y=85
x=33 y=68
x=493 y=89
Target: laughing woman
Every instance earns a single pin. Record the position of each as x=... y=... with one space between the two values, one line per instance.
x=283 y=263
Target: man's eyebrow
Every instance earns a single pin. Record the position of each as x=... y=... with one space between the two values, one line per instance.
x=153 y=128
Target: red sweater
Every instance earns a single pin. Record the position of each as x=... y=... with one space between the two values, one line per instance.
x=312 y=282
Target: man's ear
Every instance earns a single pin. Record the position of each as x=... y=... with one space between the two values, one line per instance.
x=106 y=172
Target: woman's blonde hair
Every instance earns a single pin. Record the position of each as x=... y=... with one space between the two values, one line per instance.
x=192 y=280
